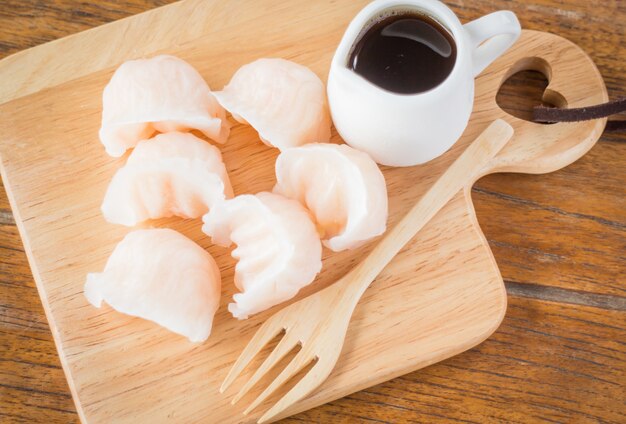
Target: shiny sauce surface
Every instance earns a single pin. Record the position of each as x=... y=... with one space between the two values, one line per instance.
x=406 y=53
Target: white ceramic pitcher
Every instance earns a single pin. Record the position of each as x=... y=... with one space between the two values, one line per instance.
x=409 y=129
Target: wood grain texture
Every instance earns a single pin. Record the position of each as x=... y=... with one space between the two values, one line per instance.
x=496 y=224
x=318 y=323
x=547 y=362
x=440 y=296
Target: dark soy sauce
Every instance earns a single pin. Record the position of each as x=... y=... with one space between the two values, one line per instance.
x=404 y=52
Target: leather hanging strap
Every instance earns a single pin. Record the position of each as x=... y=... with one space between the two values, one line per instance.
x=553 y=114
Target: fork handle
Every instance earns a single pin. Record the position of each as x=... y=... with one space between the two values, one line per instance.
x=467 y=168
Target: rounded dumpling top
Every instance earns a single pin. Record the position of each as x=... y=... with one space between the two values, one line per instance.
x=343 y=189
x=160 y=94
x=162 y=276
x=278 y=249
x=170 y=174
x=284 y=101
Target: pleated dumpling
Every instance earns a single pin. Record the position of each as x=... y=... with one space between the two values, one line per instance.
x=278 y=249
x=343 y=189
x=284 y=101
x=170 y=174
x=160 y=94
x=162 y=276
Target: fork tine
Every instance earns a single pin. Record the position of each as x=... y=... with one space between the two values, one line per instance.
x=282 y=349
x=261 y=338
x=300 y=361
x=309 y=382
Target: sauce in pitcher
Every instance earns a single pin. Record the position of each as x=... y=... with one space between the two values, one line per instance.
x=404 y=52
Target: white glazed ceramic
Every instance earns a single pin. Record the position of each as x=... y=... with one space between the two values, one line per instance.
x=400 y=129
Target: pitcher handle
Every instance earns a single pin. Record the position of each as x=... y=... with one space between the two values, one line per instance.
x=490 y=36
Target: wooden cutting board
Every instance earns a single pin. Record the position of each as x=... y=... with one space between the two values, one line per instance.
x=442 y=295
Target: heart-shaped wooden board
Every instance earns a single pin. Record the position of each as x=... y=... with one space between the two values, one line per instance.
x=441 y=295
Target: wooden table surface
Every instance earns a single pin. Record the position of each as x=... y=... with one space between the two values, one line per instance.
x=559 y=239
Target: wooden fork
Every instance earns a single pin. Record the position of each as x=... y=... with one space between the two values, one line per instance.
x=319 y=322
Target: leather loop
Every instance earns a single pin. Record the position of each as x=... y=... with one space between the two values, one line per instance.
x=545 y=114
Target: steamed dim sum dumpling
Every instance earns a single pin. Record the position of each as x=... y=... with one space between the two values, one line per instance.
x=278 y=249
x=170 y=174
x=342 y=188
x=160 y=94
x=285 y=102
x=162 y=276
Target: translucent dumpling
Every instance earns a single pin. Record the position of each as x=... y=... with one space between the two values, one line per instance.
x=278 y=249
x=160 y=94
x=170 y=174
x=162 y=276
x=342 y=188
x=285 y=102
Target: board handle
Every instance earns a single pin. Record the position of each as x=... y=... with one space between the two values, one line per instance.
x=574 y=81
